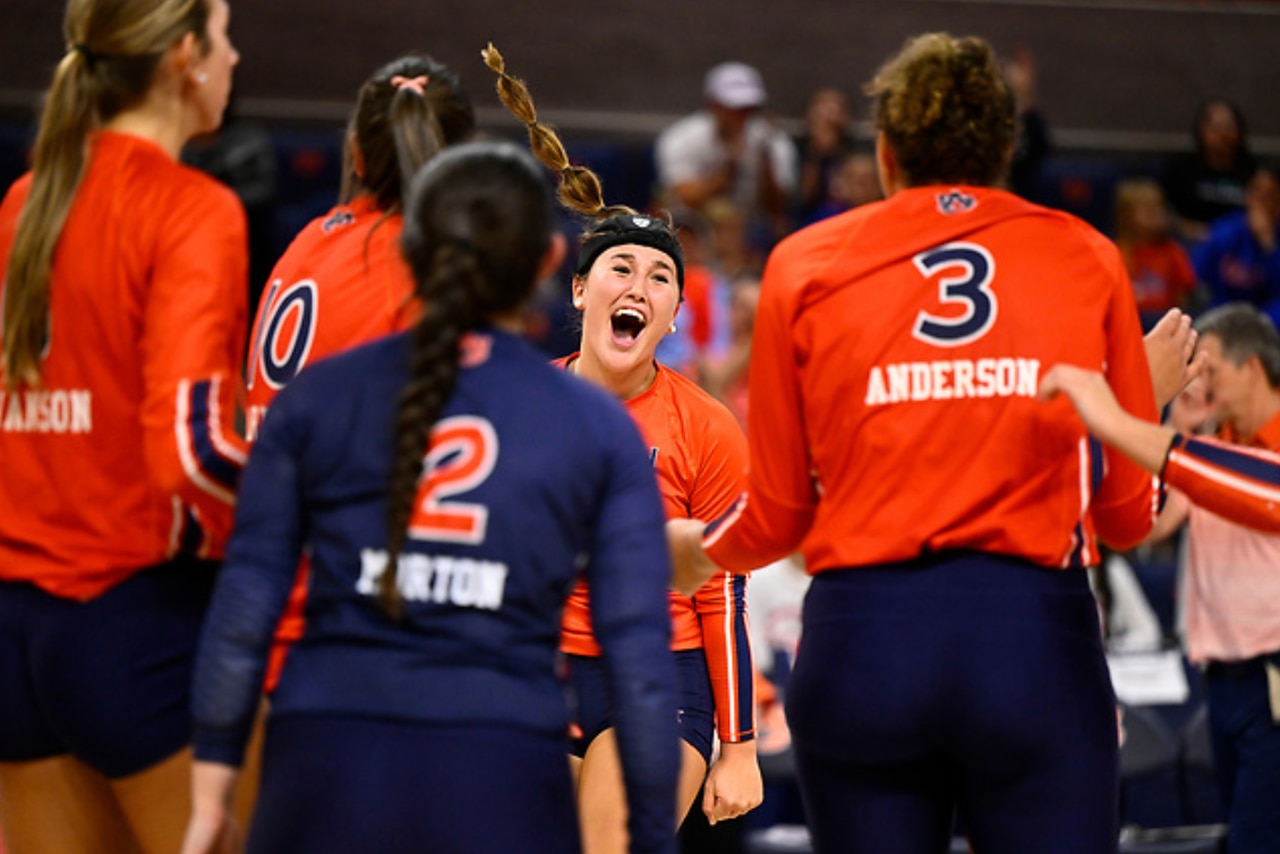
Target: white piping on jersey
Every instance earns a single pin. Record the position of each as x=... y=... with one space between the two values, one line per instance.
x=732 y=649
x=219 y=440
x=187 y=453
x=1085 y=498
x=734 y=516
x=1226 y=477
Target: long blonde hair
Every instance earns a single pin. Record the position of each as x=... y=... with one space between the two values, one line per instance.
x=113 y=50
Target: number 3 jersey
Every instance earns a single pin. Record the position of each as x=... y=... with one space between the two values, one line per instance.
x=897 y=355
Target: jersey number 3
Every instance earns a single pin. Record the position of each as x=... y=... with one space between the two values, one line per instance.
x=966 y=273
x=462 y=454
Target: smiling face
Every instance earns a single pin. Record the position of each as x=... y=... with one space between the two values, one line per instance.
x=628 y=300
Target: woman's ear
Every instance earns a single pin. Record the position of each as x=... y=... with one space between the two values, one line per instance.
x=357 y=156
x=579 y=292
x=182 y=59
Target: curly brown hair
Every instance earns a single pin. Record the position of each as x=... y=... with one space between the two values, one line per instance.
x=946 y=111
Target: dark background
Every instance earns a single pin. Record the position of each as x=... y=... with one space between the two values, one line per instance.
x=1113 y=75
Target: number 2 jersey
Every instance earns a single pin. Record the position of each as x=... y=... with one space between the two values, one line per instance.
x=897 y=355
x=699 y=458
x=532 y=476
x=127 y=453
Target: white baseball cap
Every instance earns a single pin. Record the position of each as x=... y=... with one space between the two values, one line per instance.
x=735 y=85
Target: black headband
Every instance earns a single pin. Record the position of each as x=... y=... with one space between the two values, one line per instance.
x=629 y=228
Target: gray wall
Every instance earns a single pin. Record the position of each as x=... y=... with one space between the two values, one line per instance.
x=1113 y=75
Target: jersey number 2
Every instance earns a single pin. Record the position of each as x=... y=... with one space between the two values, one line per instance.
x=461 y=456
x=969 y=285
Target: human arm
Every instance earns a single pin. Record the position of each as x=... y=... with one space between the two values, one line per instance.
x=627 y=573
x=1237 y=483
x=734 y=785
x=262 y=559
x=212 y=828
x=193 y=333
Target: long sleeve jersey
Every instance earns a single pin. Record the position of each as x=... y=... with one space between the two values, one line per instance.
x=699 y=458
x=1238 y=483
x=342 y=282
x=128 y=452
x=894 y=373
x=530 y=475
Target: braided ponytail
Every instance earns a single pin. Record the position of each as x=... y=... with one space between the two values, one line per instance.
x=478 y=222
x=580 y=188
x=454 y=292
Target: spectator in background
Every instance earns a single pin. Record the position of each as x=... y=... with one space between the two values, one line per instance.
x=1232 y=590
x=1239 y=260
x=1209 y=182
x=1158 y=266
x=730 y=149
x=854 y=182
x=1033 y=146
x=823 y=147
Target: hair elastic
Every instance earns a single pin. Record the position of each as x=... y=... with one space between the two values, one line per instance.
x=417 y=84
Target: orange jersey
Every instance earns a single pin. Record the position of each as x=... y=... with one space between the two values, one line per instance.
x=894 y=372
x=1238 y=483
x=342 y=282
x=699 y=458
x=127 y=451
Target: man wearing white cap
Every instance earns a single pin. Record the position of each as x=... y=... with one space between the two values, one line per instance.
x=728 y=149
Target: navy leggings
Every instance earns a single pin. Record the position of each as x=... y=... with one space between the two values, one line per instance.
x=965 y=683
x=339 y=784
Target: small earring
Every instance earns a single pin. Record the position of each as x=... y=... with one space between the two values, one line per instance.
x=201 y=77
x=672 y=330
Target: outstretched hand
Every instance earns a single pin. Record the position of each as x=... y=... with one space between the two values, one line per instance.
x=1170 y=345
x=690 y=566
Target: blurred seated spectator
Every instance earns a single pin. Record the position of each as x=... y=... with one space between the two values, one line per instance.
x=1208 y=182
x=1239 y=260
x=855 y=182
x=730 y=148
x=1033 y=146
x=823 y=147
x=1158 y=265
x=724 y=373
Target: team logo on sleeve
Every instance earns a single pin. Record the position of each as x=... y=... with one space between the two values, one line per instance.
x=954 y=202
x=287 y=331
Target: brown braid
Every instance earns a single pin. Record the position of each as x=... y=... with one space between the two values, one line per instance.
x=478 y=223
x=454 y=295
x=580 y=188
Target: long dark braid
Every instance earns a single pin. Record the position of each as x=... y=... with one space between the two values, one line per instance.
x=478 y=223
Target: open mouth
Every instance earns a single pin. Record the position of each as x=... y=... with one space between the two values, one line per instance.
x=627 y=325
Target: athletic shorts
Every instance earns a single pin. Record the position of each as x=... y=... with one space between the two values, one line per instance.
x=593 y=711
x=334 y=784
x=108 y=680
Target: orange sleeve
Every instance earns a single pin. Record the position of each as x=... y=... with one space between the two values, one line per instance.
x=1125 y=504
x=721 y=603
x=1237 y=483
x=774 y=514
x=193 y=338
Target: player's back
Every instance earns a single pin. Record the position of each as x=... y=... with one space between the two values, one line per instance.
x=343 y=281
x=523 y=469
x=147 y=245
x=919 y=327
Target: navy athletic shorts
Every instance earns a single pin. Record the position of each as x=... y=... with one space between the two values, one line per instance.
x=335 y=784
x=961 y=682
x=593 y=711
x=108 y=680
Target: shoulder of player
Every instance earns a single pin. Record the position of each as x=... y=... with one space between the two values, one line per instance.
x=704 y=418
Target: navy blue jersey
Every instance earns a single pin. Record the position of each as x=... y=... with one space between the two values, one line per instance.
x=532 y=476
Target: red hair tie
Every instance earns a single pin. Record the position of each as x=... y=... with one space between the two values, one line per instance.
x=417 y=84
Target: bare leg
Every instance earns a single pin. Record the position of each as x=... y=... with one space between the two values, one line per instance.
x=62 y=805
x=157 y=803
x=602 y=799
